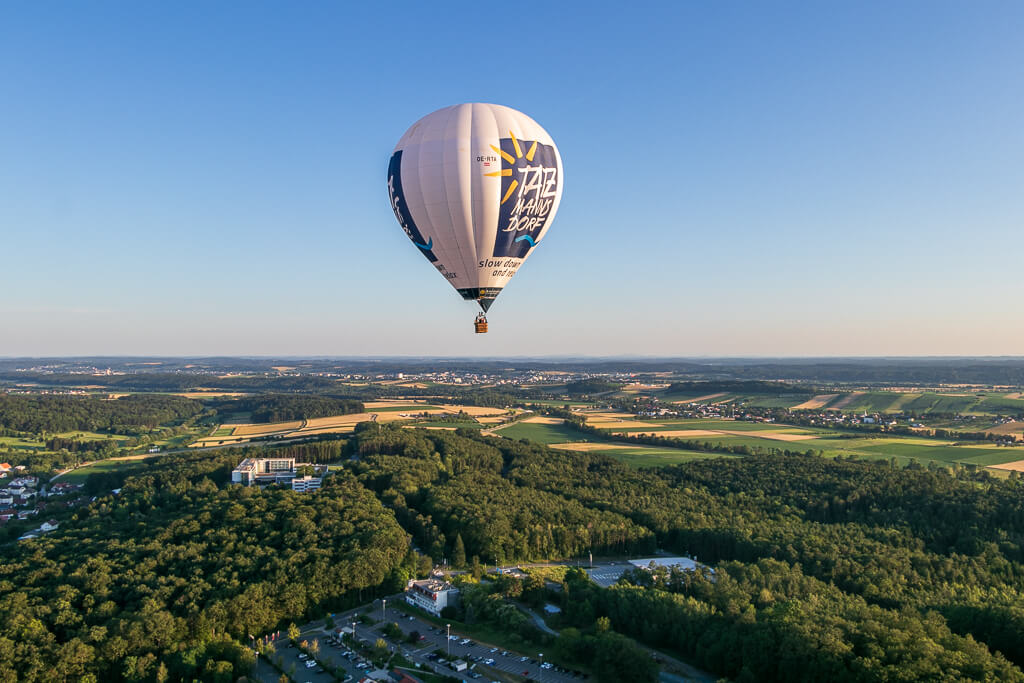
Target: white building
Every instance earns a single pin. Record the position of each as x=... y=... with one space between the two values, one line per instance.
x=306 y=483
x=264 y=471
x=432 y=595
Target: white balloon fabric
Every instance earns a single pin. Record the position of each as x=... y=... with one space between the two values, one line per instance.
x=475 y=187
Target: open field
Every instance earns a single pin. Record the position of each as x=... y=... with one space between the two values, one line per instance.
x=542 y=420
x=544 y=433
x=1015 y=466
x=18 y=442
x=1014 y=427
x=920 y=402
x=265 y=429
x=732 y=433
x=446 y=425
x=91 y=436
x=79 y=475
x=380 y=411
x=815 y=402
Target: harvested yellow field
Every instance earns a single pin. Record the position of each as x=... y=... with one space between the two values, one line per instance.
x=349 y=420
x=490 y=420
x=585 y=446
x=777 y=436
x=474 y=410
x=1008 y=428
x=847 y=400
x=542 y=420
x=260 y=430
x=707 y=397
x=283 y=368
x=337 y=429
x=693 y=433
x=816 y=402
x=607 y=416
x=1015 y=395
x=1016 y=466
x=613 y=424
x=410 y=403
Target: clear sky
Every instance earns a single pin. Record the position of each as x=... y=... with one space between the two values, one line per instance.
x=759 y=178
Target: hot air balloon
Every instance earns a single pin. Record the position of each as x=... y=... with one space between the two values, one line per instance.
x=475 y=187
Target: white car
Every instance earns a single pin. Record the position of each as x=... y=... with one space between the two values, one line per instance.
x=310 y=664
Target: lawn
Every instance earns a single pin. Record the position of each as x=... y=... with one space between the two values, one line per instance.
x=18 y=442
x=91 y=436
x=79 y=475
x=937 y=452
x=996 y=456
x=545 y=433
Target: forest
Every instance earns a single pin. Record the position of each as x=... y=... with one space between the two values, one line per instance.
x=284 y=407
x=922 y=567
x=165 y=580
x=135 y=414
x=816 y=569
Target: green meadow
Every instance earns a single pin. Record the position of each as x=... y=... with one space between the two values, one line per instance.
x=78 y=476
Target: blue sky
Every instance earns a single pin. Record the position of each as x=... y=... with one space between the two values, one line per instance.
x=755 y=178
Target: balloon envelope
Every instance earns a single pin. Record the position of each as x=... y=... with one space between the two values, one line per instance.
x=475 y=187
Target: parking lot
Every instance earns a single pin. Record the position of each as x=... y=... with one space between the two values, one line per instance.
x=605 y=575
x=486 y=662
x=482 y=656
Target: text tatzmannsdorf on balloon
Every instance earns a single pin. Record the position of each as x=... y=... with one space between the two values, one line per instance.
x=475 y=187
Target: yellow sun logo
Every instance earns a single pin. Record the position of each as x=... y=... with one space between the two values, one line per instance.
x=510 y=159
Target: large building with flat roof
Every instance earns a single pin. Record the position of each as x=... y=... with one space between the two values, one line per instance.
x=264 y=471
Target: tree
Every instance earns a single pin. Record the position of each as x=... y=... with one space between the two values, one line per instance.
x=459 y=552
x=293 y=632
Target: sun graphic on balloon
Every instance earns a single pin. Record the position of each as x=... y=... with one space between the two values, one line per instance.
x=510 y=159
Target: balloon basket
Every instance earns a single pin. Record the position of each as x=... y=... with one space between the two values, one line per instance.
x=480 y=324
